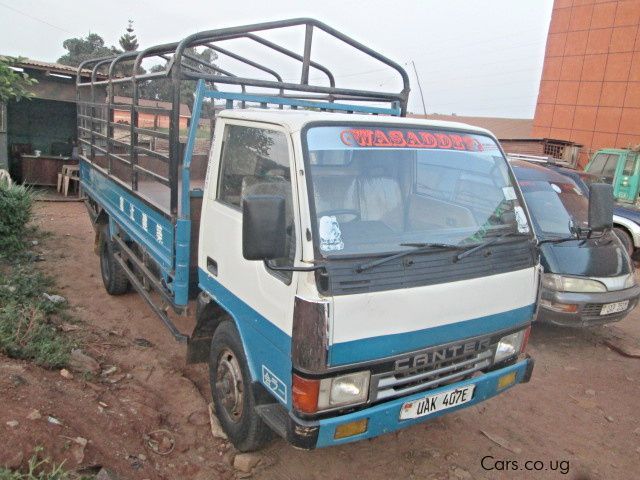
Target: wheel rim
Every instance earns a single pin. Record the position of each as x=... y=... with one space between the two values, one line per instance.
x=229 y=384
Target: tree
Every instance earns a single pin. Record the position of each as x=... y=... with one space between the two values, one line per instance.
x=128 y=41
x=13 y=85
x=84 y=48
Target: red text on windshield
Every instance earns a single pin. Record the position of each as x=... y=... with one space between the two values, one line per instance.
x=385 y=138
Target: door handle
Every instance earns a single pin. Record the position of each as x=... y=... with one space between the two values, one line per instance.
x=212 y=266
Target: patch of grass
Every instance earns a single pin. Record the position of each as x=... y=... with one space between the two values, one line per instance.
x=26 y=327
x=16 y=204
x=38 y=469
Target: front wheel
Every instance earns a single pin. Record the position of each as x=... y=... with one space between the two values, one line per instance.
x=233 y=396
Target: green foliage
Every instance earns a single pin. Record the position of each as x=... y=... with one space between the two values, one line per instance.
x=25 y=313
x=16 y=203
x=129 y=42
x=26 y=330
x=13 y=85
x=80 y=49
x=38 y=470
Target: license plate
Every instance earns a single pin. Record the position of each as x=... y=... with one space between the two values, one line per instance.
x=616 y=307
x=435 y=403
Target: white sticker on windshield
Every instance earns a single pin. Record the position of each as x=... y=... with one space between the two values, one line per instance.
x=556 y=188
x=330 y=234
x=521 y=219
x=509 y=193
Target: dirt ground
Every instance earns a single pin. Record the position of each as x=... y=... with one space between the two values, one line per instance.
x=579 y=412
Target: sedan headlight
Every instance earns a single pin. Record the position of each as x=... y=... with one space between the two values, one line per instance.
x=561 y=283
x=630 y=281
x=511 y=345
x=344 y=390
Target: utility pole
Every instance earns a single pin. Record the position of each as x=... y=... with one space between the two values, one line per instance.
x=424 y=108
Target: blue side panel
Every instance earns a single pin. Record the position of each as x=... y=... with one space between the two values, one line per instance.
x=183 y=253
x=140 y=222
x=293 y=102
x=268 y=349
x=387 y=345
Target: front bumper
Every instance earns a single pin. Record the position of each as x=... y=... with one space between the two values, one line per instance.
x=385 y=417
x=589 y=304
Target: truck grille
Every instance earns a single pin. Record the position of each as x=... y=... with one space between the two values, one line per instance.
x=388 y=385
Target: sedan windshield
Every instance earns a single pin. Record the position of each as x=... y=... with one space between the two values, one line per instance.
x=380 y=190
x=555 y=206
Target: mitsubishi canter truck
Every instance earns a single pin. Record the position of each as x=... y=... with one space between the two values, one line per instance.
x=351 y=271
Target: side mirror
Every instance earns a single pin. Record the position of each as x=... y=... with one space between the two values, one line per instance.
x=600 y=206
x=264 y=235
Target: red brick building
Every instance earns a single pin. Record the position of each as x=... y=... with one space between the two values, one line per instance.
x=590 y=86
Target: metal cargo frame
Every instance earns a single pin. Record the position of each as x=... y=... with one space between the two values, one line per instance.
x=96 y=125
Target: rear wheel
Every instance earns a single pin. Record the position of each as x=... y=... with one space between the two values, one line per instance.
x=113 y=277
x=233 y=396
x=626 y=240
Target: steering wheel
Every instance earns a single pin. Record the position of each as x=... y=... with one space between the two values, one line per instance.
x=342 y=211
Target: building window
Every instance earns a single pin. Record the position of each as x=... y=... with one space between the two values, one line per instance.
x=554 y=150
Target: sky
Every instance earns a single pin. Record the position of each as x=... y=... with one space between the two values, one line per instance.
x=472 y=57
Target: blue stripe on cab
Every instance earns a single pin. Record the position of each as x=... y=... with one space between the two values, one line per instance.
x=374 y=348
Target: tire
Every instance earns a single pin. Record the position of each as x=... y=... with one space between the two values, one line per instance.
x=626 y=240
x=234 y=398
x=113 y=277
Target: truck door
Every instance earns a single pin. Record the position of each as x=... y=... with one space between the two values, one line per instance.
x=255 y=159
x=626 y=184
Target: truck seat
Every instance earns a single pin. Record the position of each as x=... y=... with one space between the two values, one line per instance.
x=335 y=192
x=381 y=200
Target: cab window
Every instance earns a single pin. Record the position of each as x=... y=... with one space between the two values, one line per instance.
x=630 y=165
x=609 y=169
x=598 y=162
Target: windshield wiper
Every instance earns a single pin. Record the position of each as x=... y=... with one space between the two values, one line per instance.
x=418 y=248
x=471 y=250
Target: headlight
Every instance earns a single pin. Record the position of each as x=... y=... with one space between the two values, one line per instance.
x=344 y=390
x=560 y=283
x=630 y=281
x=511 y=345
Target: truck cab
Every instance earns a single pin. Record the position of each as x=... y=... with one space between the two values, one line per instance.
x=354 y=271
x=621 y=168
x=386 y=304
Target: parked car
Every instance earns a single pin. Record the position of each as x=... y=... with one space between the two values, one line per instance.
x=585 y=281
x=626 y=217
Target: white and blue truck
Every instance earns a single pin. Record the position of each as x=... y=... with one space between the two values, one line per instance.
x=352 y=271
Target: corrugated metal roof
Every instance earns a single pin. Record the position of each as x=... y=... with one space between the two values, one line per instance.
x=503 y=128
x=23 y=62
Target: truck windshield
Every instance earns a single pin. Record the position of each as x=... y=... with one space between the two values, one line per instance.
x=555 y=206
x=381 y=189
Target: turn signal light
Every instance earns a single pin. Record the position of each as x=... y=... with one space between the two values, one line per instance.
x=305 y=394
x=506 y=380
x=559 y=307
x=352 y=428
